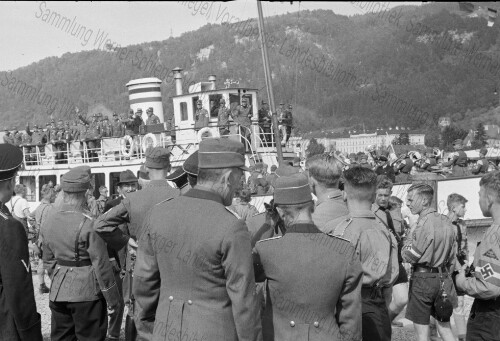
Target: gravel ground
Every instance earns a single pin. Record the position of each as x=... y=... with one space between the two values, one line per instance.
x=405 y=333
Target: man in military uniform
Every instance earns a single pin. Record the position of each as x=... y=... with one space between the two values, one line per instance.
x=431 y=250
x=106 y=127
x=138 y=121
x=190 y=166
x=19 y=320
x=265 y=121
x=129 y=123
x=201 y=116
x=116 y=126
x=8 y=138
x=382 y=211
x=77 y=259
x=101 y=201
x=430 y=161
x=18 y=137
x=202 y=260
x=404 y=168
x=180 y=178
x=324 y=175
x=456 y=211
x=242 y=115
x=375 y=246
x=330 y=266
x=459 y=160
x=38 y=139
x=95 y=132
x=223 y=114
x=482 y=164
x=152 y=118
x=132 y=211
x=383 y=167
x=287 y=120
x=484 y=284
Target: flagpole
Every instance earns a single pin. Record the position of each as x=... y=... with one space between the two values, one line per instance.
x=269 y=85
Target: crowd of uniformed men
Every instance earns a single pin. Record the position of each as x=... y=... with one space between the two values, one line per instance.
x=188 y=267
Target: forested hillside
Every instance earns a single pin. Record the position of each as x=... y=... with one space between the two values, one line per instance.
x=407 y=67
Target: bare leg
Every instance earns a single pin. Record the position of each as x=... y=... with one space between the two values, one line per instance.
x=422 y=331
x=399 y=300
x=444 y=329
x=459 y=316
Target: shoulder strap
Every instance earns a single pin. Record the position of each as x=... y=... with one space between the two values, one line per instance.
x=41 y=216
x=341 y=232
x=77 y=254
x=13 y=204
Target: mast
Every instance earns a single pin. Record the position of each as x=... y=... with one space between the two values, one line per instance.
x=269 y=84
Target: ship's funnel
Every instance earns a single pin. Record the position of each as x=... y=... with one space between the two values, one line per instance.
x=145 y=93
x=178 y=80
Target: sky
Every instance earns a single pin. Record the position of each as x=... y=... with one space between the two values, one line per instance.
x=32 y=31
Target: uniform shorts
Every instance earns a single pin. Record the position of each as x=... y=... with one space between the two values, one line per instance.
x=424 y=289
x=403 y=275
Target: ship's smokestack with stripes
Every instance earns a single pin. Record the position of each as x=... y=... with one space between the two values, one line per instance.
x=145 y=93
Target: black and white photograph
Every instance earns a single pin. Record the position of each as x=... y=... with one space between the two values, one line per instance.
x=249 y=171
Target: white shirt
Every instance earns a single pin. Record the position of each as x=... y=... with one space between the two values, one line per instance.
x=19 y=204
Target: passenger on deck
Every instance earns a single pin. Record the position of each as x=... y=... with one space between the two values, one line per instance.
x=8 y=138
x=201 y=116
x=105 y=127
x=265 y=121
x=242 y=115
x=116 y=126
x=152 y=118
x=223 y=114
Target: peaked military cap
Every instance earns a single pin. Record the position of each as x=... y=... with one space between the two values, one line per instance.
x=127 y=177
x=292 y=190
x=190 y=166
x=221 y=153
x=76 y=179
x=11 y=159
x=179 y=177
x=157 y=158
x=150 y=109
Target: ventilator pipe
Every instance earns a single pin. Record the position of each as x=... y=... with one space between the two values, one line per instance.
x=178 y=80
x=212 y=79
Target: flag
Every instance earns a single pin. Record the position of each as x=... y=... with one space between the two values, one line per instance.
x=466 y=6
x=492 y=16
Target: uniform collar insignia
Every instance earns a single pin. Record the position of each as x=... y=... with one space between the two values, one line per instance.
x=202 y=194
x=302 y=228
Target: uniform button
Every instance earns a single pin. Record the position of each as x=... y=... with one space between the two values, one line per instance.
x=316 y=324
x=292 y=324
x=171 y=298
x=190 y=302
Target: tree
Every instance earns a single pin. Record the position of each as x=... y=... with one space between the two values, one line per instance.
x=314 y=148
x=432 y=138
x=450 y=134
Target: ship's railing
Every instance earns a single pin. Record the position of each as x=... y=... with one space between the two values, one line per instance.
x=134 y=147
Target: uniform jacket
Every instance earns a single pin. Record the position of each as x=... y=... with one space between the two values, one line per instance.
x=201 y=118
x=223 y=116
x=63 y=230
x=194 y=272
x=485 y=284
x=433 y=242
x=406 y=165
x=243 y=116
x=287 y=118
x=116 y=128
x=329 y=209
x=386 y=170
x=106 y=129
x=244 y=210
x=265 y=117
x=37 y=137
x=262 y=226
x=132 y=210
x=459 y=158
x=19 y=320
x=26 y=139
x=481 y=167
x=429 y=162
x=313 y=286
x=376 y=247
x=18 y=138
x=153 y=120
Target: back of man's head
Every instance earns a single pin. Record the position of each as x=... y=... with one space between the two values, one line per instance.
x=455 y=199
x=325 y=169
x=360 y=183
x=424 y=191
x=491 y=183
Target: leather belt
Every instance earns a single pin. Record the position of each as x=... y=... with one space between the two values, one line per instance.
x=75 y=264
x=428 y=269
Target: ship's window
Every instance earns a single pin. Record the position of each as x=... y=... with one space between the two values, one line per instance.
x=214 y=104
x=184 y=111
x=29 y=182
x=45 y=179
x=114 y=178
x=195 y=99
x=98 y=180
